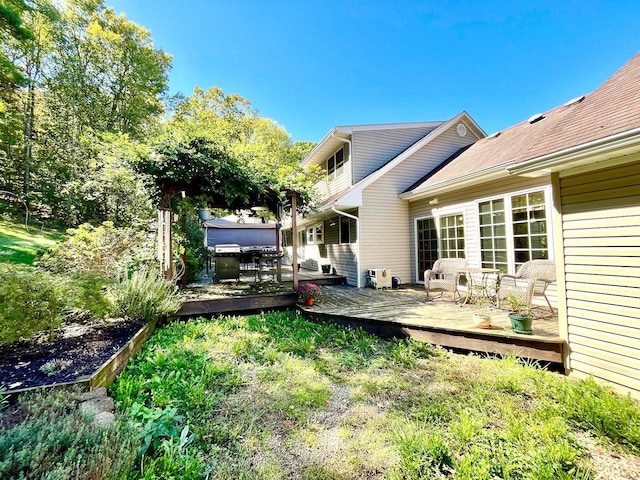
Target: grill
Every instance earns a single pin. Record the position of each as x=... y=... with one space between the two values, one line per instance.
x=227 y=250
x=227 y=261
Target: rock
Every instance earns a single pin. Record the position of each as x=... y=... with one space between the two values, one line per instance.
x=103 y=419
x=98 y=405
x=91 y=394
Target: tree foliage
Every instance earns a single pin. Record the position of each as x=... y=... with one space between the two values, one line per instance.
x=91 y=111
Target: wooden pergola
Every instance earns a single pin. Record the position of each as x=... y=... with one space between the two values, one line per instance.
x=270 y=199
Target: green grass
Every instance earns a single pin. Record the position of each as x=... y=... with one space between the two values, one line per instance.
x=19 y=246
x=275 y=396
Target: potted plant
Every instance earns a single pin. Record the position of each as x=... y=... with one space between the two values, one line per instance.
x=519 y=314
x=481 y=319
x=308 y=293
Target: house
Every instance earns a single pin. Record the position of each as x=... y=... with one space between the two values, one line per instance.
x=361 y=222
x=563 y=185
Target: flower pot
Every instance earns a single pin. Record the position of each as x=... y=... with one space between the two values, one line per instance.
x=520 y=324
x=481 y=321
x=308 y=301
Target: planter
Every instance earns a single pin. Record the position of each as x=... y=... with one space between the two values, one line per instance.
x=520 y=324
x=326 y=269
x=481 y=321
x=308 y=301
x=204 y=214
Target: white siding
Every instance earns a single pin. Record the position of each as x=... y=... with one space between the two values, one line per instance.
x=465 y=201
x=328 y=187
x=386 y=225
x=601 y=241
x=374 y=148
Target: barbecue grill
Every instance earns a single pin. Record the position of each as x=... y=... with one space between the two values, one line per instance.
x=227 y=261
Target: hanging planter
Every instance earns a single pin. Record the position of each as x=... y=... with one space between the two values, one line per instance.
x=204 y=214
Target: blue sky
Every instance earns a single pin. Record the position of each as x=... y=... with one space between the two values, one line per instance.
x=313 y=64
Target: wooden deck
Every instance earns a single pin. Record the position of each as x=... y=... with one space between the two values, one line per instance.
x=406 y=312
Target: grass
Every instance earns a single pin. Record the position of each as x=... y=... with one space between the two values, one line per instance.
x=19 y=246
x=275 y=396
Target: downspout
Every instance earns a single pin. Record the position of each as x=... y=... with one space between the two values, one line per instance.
x=348 y=215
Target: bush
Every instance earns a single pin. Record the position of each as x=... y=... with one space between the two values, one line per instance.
x=105 y=251
x=30 y=301
x=145 y=296
x=56 y=441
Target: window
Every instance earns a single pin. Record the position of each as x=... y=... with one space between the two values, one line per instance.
x=514 y=227
x=315 y=234
x=345 y=230
x=529 y=217
x=452 y=236
x=335 y=164
x=493 y=235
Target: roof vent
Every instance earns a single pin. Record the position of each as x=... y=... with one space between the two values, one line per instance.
x=536 y=118
x=575 y=100
x=494 y=135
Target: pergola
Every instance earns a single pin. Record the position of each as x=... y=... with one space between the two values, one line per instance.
x=199 y=188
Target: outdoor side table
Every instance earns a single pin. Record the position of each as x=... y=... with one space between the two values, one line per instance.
x=477 y=277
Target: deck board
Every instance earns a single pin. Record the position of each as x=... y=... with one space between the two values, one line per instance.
x=407 y=311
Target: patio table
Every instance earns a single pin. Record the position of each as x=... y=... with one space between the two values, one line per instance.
x=477 y=278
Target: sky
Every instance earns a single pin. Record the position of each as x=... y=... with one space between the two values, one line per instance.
x=311 y=65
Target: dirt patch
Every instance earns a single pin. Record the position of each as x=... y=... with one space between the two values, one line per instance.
x=77 y=349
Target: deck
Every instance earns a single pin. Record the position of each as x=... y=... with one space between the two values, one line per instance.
x=406 y=312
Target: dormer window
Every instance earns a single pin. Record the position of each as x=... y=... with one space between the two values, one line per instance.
x=335 y=164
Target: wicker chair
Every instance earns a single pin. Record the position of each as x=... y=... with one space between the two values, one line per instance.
x=443 y=276
x=531 y=280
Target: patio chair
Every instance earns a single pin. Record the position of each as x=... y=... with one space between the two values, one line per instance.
x=444 y=276
x=531 y=280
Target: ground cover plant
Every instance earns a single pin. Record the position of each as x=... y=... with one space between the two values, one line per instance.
x=276 y=396
x=17 y=245
x=45 y=436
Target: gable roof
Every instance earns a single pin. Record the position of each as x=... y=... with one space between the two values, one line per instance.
x=352 y=197
x=612 y=109
x=337 y=137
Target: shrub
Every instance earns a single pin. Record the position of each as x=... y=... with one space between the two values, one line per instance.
x=106 y=251
x=56 y=441
x=85 y=296
x=145 y=296
x=30 y=301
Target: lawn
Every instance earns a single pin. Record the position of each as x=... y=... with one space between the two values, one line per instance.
x=274 y=396
x=17 y=245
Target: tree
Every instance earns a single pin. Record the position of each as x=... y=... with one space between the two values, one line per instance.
x=11 y=27
x=230 y=120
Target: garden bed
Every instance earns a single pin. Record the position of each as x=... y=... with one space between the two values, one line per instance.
x=78 y=351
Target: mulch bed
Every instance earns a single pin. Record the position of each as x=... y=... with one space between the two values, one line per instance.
x=77 y=350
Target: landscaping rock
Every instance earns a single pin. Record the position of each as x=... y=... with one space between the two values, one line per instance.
x=98 y=405
x=91 y=394
x=103 y=419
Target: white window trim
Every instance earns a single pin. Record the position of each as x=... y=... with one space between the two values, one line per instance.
x=337 y=171
x=444 y=212
x=312 y=233
x=548 y=205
